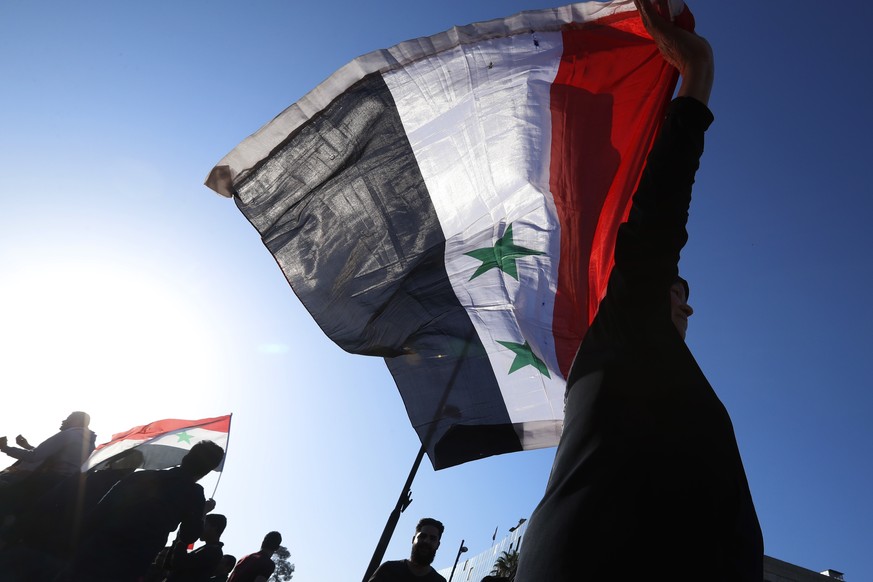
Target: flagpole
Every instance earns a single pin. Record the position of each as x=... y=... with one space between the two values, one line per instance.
x=226 y=448
x=402 y=503
x=406 y=495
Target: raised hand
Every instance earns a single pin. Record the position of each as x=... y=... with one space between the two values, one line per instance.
x=690 y=53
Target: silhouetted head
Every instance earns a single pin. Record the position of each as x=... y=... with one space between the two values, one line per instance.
x=680 y=311
x=202 y=458
x=681 y=280
x=432 y=522
x=213 y=527
x=76 y=419
x=228 y=561
x=272 y=541
x=426 y=541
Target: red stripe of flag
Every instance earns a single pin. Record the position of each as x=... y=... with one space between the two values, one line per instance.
x=159 y=427
x=595 y=115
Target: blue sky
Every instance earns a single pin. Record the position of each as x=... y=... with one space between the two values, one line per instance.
x=129 y=290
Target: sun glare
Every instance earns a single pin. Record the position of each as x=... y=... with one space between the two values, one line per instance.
x=104 y=338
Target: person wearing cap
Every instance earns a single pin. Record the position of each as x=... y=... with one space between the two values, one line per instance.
x=647 y=480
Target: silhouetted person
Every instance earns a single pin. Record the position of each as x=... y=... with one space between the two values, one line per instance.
x=158 y=569
x=44 y=537
x=40 y=468
x=425 y=543
x=131 y=523
x=199 y=565
x=647 y=480
x=259 y=566
x=63 y=453
x=54 y=521
x=222 y=571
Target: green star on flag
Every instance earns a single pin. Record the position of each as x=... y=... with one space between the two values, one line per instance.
x=501 y=256
x=524 y=356
x=184 y=437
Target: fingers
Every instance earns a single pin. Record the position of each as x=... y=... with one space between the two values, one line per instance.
x=653 y=17
x=647 y=14
x=640 y=8
x=666 y=12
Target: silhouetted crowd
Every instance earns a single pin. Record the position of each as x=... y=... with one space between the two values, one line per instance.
x=58 y=524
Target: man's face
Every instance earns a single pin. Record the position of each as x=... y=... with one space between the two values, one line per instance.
x=424 y=545
x=680 y=311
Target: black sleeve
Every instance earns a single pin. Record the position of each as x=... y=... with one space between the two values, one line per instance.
x=191 y=525
x=201 y=562
x=648 y=245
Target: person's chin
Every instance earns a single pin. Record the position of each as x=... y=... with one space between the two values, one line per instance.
x=423 y=557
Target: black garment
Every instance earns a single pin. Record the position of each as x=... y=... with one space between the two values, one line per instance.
x=21 y=563
x=196 y=566
x=54 y=521
x=131 y=523
x=398 y=571
x=647 y=480
x=42 y=468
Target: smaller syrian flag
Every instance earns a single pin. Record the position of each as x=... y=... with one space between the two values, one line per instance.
x=162 y=443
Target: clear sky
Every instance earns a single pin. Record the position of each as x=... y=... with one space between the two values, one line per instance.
x=131 y=291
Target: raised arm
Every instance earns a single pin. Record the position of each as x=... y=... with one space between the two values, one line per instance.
x=22 y=442
x=649 y=244
x=688 y=52
x=45 y=450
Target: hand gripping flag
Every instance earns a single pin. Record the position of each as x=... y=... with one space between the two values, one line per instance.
x=451 y=204
x=162 y=443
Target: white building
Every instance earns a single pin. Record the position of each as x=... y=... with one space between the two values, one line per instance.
x=474 y=568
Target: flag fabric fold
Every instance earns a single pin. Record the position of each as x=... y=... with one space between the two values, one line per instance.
x=451 y=205
x=162 y=443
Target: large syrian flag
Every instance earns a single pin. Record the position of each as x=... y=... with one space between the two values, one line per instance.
x=162 y=443
x=451 y=204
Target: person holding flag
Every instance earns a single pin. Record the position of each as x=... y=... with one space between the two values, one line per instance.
x=648 y=477
x=131 y=523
